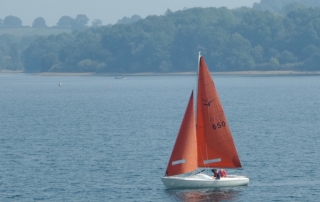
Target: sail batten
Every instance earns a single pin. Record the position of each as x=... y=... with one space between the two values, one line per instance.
x=212 y=161
x=178 y=162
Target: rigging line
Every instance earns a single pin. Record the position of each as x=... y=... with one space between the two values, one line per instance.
x=196 y=87
x=195 y=98
x=207 y=154
x=202 y=158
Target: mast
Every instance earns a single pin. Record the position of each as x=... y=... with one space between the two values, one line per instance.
x=196 y=90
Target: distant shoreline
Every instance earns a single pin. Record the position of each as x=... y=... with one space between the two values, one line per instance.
x=169 y=74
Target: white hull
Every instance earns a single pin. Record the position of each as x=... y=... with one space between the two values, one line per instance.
x=204 y=181
x=120 y=77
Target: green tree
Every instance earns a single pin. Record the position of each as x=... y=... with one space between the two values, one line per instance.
x=10 y=52
x=239 y=55
x=96 y=23
x=274 y=63
x=66 y=22
x=287 y=57
x=43 y=53
x=12 y=21
x=257 y=54
x=127 y=20
x=81 y=21
x=39 y=23
x=312 y=63
x=48 y=61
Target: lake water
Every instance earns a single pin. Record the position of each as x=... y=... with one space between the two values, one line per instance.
x=96 y=138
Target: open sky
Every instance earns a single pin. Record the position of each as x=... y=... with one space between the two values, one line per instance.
x=109 y=11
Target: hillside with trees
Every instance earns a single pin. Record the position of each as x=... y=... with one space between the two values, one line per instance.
x=283 y=6
x=239 y=39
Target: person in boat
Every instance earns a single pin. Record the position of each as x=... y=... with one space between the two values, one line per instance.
x=223 y=173
x=216 y=174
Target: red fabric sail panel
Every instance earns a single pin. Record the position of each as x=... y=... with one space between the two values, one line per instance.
x=184 y=154
x=215 y=144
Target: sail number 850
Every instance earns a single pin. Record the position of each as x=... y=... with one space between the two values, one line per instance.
x=218 y=125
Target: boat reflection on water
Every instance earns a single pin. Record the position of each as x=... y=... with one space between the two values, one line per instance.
x=203 y=194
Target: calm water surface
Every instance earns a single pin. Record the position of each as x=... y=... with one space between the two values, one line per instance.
x=104 y=139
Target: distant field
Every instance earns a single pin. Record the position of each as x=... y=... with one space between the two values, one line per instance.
x=29 y=31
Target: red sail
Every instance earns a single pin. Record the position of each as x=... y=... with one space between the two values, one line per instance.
x=215 y=144
x=184 y=155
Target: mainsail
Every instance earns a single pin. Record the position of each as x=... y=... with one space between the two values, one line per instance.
x=215 y=144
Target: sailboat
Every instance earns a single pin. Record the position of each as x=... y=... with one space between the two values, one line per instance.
x=120 y=77
x=204 y=141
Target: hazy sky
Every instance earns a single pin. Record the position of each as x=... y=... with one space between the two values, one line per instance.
x=109 y=11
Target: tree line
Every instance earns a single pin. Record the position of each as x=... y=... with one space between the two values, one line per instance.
x=65 y=22
x=282 y=6
x=80 y=21
x=239 y=39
